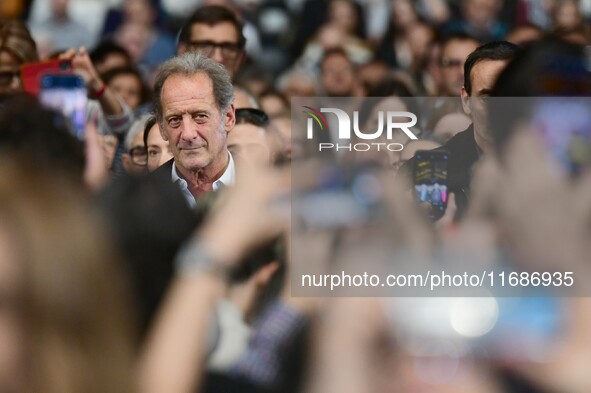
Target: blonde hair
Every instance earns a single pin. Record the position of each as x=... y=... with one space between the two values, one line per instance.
x=79 y=334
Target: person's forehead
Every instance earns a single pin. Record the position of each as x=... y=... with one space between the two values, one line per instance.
x=126 y=78
x=247 y=133
x=154 y=137
x=336 y=60
x=485 y=72
x=459 y=47
x=390 y=103
x=138 y=140
x=180 y=87
x=219 y=32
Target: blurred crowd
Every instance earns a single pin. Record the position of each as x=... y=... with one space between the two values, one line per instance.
x=160 y=251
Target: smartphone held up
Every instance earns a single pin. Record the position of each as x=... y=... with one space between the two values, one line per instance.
x=430 y=181
x=58 y=88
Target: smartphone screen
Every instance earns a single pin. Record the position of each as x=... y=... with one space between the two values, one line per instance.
x=430 y=181
x=66 y=94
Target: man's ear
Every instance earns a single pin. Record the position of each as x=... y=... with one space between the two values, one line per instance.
x=466 y=102
x=163 y=132
x=230 y=119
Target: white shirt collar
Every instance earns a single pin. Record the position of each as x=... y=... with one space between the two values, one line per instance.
x=226 y=180
x=228 y=177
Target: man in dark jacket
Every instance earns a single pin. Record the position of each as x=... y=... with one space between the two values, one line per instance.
x=480 y=72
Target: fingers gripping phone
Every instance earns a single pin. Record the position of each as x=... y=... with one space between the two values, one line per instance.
x=430 y=181
x=66 y=94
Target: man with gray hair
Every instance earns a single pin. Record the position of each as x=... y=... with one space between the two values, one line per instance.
x=193 y=100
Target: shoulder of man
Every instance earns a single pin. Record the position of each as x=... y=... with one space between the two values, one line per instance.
x=164 y=170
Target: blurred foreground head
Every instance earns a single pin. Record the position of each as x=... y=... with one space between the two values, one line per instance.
x=546 y=68
x=64 y=321
x=39 y=136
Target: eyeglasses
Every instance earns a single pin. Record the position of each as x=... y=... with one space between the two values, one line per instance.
x=252 y=116
x=6 y=77
x=449 y=63
x=229 y=50
x=138 y=155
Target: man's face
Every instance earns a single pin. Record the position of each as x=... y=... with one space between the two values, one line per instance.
x=219 y=42
x=249 y=142
x=338 y=76
x=158 y=149
x=480 y=13
x=483 y=77
x=129 y=88
x=453 y=57
x=134 y=160
x=193 y=123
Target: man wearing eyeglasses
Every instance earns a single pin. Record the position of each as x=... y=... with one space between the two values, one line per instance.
x=215 y=32
x=454 y=52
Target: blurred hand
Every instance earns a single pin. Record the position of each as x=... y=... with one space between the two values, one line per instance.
x=411 y=226
x=535 y=207
x=352 y=347
x=567 y=371
x=82 y=65
x=447 y=221
x=96 y=170
x=255 y=210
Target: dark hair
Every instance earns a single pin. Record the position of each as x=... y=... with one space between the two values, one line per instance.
x=212 y=15
x=337 y=51
x=252 y=116
x=149 y=124
x=39 y=135
x=106 y=48
x=145 y=93
x=456 y=36
x=495 y=50
x=149 y=221
x=536 y=65
x=545 y=68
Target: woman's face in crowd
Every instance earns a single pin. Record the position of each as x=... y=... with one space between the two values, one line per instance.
x=158 y=149
x=129 y=88
x=9 y=73
x=11 y=340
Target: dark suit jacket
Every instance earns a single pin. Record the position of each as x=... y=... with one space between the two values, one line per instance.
x=463 y=154
x=164 y=171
